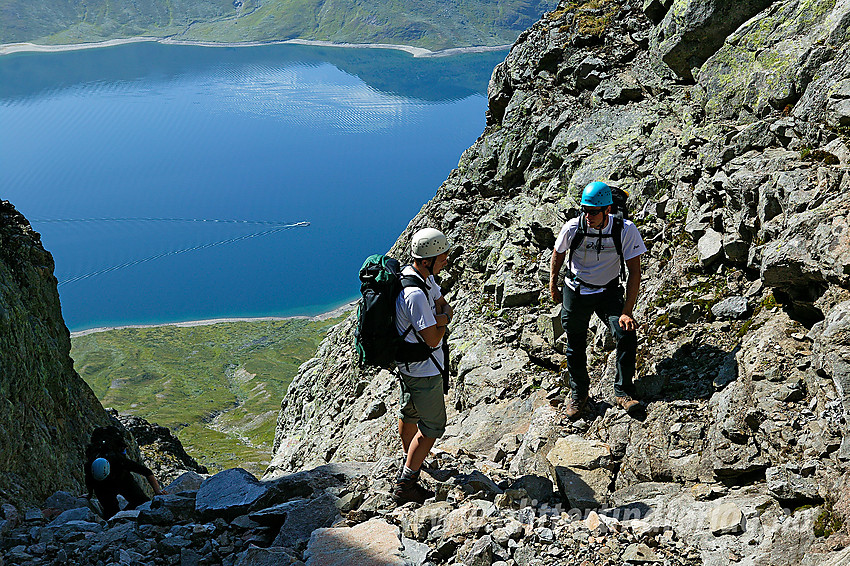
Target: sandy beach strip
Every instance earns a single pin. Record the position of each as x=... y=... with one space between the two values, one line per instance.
x=348 y=307
x=9 y=48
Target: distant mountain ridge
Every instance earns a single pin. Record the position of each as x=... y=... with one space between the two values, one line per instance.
x=433 y=24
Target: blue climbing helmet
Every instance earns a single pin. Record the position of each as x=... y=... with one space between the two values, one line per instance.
x=596 y=193
x=100 y=469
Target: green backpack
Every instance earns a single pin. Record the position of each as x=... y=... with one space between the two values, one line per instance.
x=376 y=339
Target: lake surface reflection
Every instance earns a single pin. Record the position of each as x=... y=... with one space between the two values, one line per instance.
x=115 y=154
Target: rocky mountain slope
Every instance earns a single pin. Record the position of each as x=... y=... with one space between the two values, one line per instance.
x=729 y=124
x=47 y=409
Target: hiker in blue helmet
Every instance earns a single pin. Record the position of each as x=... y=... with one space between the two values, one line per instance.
x=422 y=315
x=601 y=246
x=108 y=472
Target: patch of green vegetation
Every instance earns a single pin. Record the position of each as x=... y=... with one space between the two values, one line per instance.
x=828 y=523
x=591 y=18
x=663 y=321
x=820 y=155
x=843 y=131
x=750 y=325
x=595 y=16
x=677 y=215
x=769 y=302
x=218 y=386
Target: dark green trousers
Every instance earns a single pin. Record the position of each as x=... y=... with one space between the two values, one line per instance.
x=575 y=316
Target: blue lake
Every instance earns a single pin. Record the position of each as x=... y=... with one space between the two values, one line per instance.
x=112 y=153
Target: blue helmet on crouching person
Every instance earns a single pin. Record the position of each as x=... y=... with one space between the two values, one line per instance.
x=100 y=469
x=597 y=193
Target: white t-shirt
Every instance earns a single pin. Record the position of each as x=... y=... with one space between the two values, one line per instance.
x=416 y=308
x=596 y=261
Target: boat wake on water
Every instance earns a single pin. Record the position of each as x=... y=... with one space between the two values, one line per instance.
x=269 y=227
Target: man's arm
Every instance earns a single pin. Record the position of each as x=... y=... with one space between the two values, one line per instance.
x=420 y=312
x=627 y=321
x=555 y=274
x=445 y=312
x=154 y=485
x=433 y=334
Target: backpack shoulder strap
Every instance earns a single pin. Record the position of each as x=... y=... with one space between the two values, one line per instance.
x=617 y=235
x=578 y=238
x=406 y=281
x=413 y=281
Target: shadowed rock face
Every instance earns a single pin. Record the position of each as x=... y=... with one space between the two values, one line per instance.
x=47 y=411
x=162 y=451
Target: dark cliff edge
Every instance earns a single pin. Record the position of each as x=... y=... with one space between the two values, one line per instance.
x=732 y=135
x=48 y=411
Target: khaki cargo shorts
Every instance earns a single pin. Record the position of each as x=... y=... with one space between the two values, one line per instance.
x=422 y=403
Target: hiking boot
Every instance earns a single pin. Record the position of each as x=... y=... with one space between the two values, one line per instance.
x=406 y=491
x=574 y=407
x=628 y=404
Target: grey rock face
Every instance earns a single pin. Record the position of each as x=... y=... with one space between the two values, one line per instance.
x=693 y=30
x=832 y=345
x=775 y=60
x=838 y=105
x=790 y=487
x=731 y=308
x=744 y=213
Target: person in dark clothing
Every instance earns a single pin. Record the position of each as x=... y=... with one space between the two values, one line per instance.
x=108 y=472
x=592 y=285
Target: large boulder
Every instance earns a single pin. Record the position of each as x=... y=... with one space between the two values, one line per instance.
x=303 y=516
x=373 y=542
x=230 y=493
x=582 y=469
x=692 y=30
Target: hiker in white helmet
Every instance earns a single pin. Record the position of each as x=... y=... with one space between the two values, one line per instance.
x=601 y=246
x=422 y=315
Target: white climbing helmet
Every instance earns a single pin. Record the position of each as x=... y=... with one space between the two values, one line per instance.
x=428 y=242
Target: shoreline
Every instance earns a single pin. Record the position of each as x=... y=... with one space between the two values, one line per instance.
x=10 y=48
x=347 y=307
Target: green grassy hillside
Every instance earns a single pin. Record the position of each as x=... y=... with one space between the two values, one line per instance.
x=434 y=24
x=217 y=386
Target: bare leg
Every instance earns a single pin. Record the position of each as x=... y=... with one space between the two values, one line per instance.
x=420 y=447
x=407 y=431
